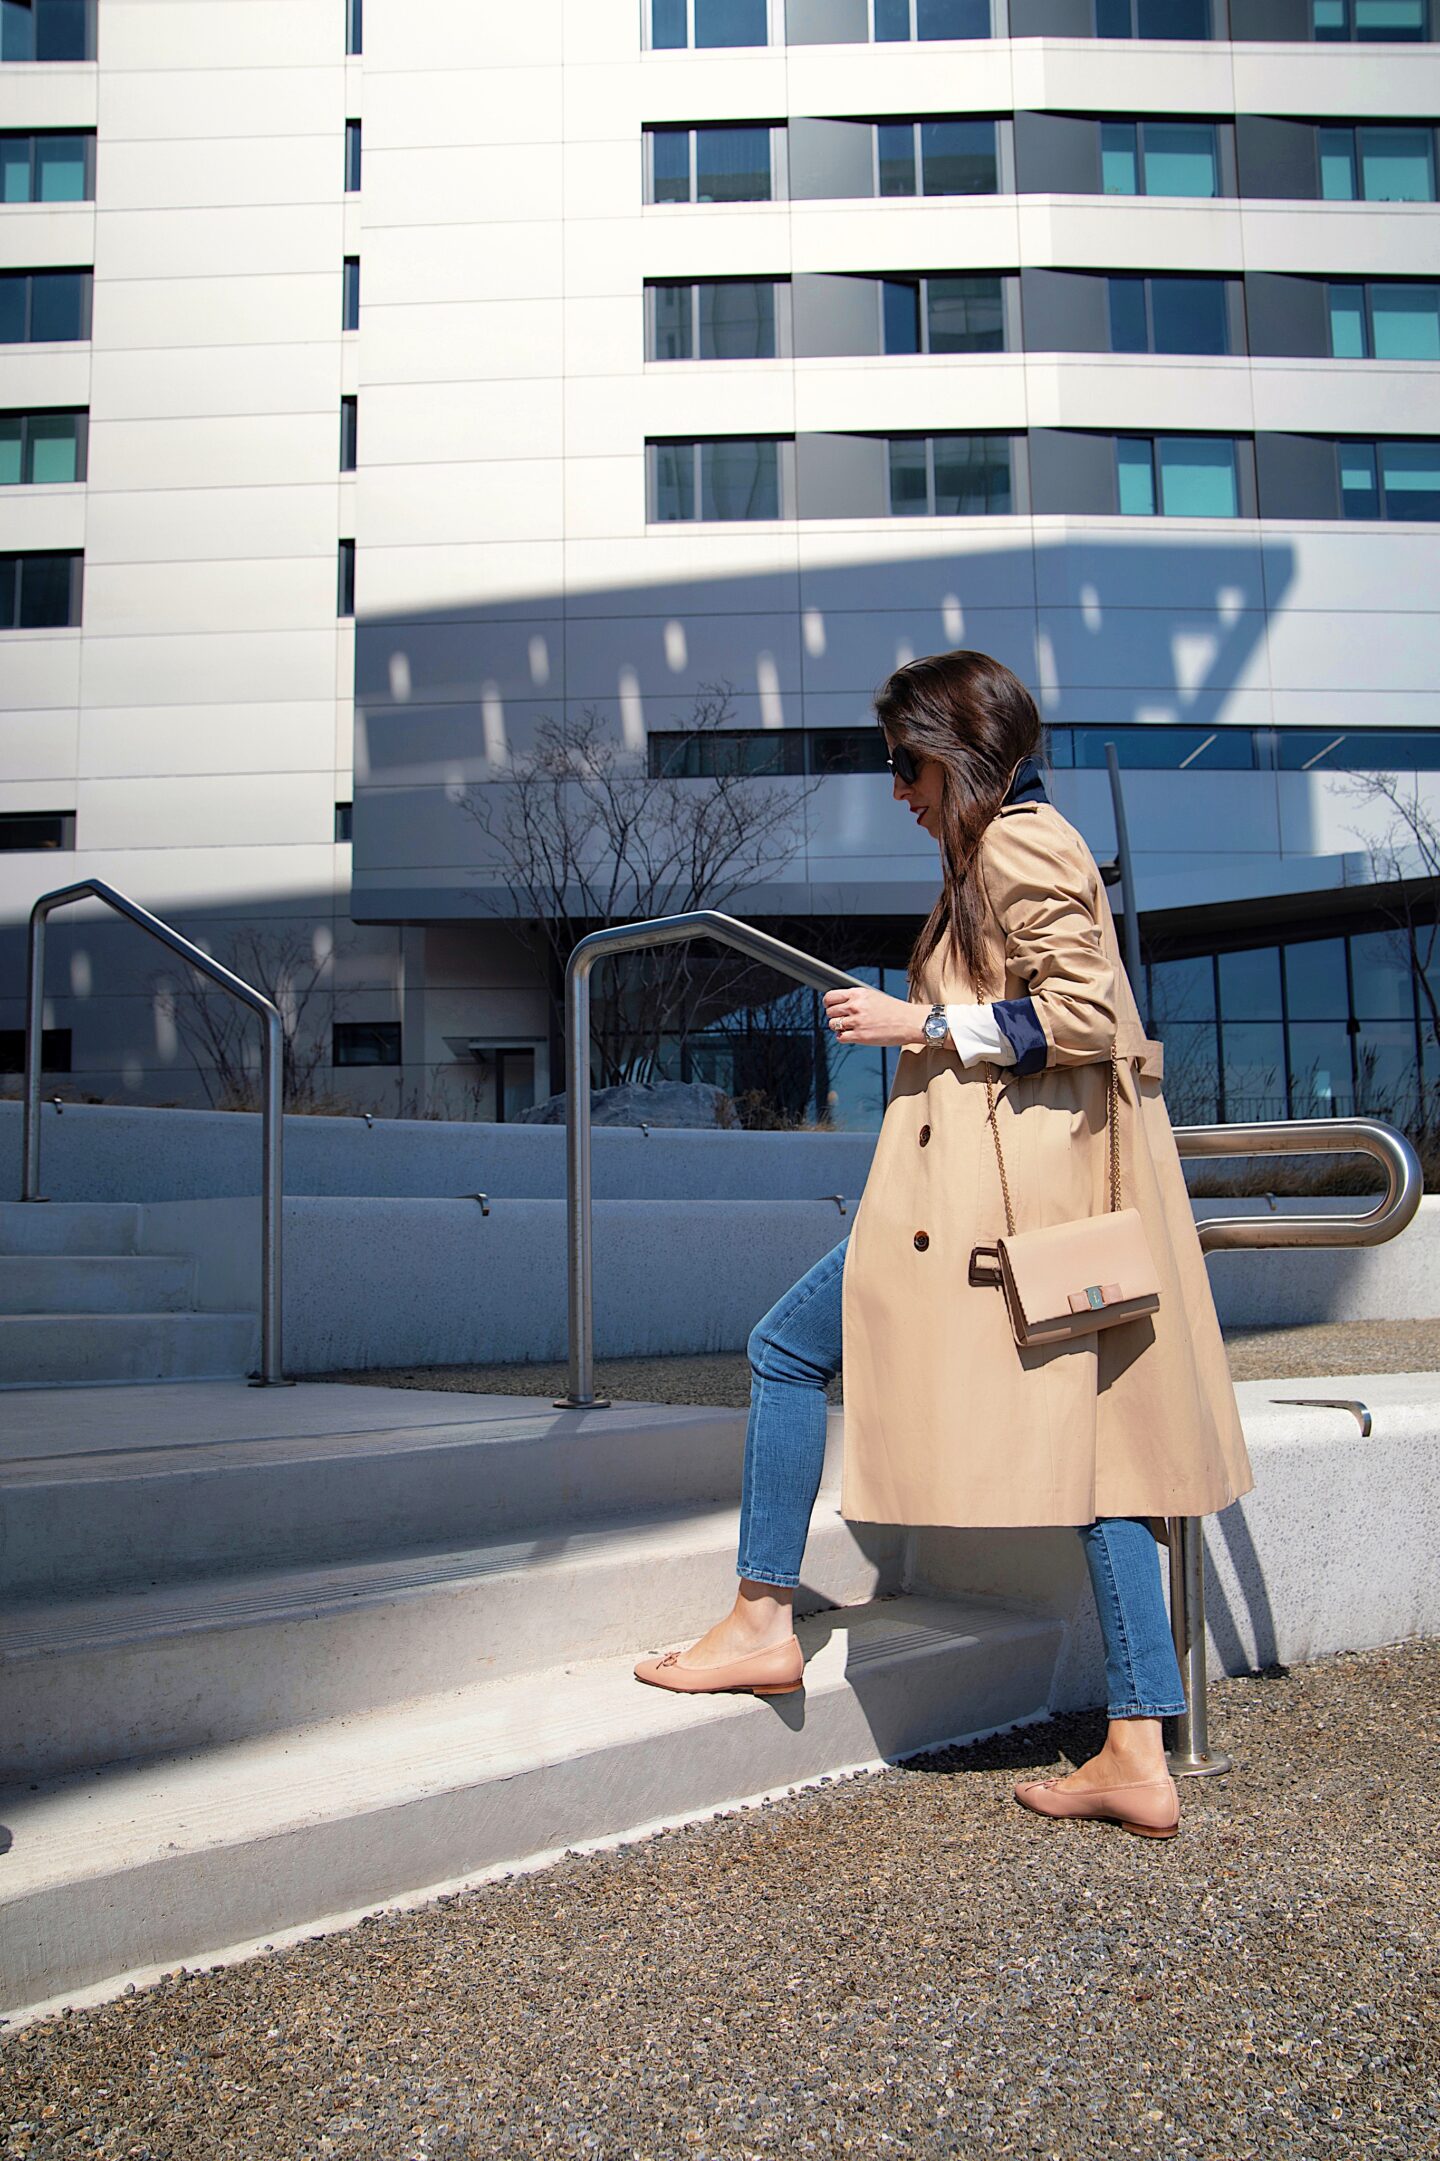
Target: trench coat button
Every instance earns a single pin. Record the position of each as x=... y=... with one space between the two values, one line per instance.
x=924 y=1135
x=922 y=1240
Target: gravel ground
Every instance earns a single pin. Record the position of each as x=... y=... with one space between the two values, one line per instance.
x=903 y=1963
x=723 y=1377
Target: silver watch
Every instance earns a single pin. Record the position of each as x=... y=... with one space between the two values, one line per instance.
x=936 y=1025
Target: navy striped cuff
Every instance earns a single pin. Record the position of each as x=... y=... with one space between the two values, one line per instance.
x=1019 y=1023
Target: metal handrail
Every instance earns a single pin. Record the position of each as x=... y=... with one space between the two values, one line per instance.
x=623 y=938
x=271 y=1374
x=1404 y=1186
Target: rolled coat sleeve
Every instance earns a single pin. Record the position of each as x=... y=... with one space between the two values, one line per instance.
x=1042 y=887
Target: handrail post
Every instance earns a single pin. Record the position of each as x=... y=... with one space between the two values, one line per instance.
x=1192 y=1755
x=272 y=1118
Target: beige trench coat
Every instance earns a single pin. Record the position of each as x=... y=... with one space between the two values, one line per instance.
x=946 y=1419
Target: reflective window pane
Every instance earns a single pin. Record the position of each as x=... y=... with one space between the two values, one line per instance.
x=737 y=320
x=61 y=30
x=892 y=21
x=60 y=168
x=674 y=481
x=1359 y=487
x=739 y=480
x=45 y=591
x=1315 y=979
x=965 y=315
x=1328 y=20
x=14 y=168
x=1411 y=476
x=952 y=18
x=1192 y=1072
x=732 y=165
x=1119 y=169
x=1254 y=1070
x=855 y=1087
x=1389 y=20
x=1114 y=19
x=13 y=291
x=972 y=475
x=1135 y=473
x=730 y=22
x=958 y=157
x=670 y=155
x=1337 y=164
x=667 y=24
x=12 y=436
x=1405 y=320
x=1197 y=476
x=1129 y=332
x=672 y=307
x=1320 y=1082
x=1380 y=960
x=1347 y=323
x=1172 y=18
x=58 y=307
x=1182 y=990
x=1397 y=165
x=1180 y=158
x=909 y=494
x=1189 y=315
x=1387 y=1075
x=1250 y=985
x=900 y=303
x=895 y=151
x=54 y=448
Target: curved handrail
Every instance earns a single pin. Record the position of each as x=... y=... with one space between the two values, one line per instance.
x=1404 y=1181
x=272 y=1121
x=621 y=938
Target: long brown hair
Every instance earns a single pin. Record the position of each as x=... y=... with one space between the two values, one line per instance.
x=969 y=712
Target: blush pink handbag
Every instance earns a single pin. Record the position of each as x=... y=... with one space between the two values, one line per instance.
x=1066 y=1279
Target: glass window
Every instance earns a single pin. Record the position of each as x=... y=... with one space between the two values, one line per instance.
x=892 y=21
x=855 y=1093
x=47 y=30
x=952 y=18
x=60 y=168
x=1410 y=475
x=1380 y=965
x=668 y=27
x=1197 y=476
x=361 y=1042
x=1397 y=165
x=845 y=750
x=1388 y=20
x=900 y=304
x=1359 y=487
x=349 y=433
x=12 y=450
x=1315 y=986
x=15 y=165
x=1405 y=322
x=1119 y=165
x=739 y=479
x=1180 y=158
x=1254 y=1070
x=972 y=475
x=1135 y=475
x=1163 y=747
x=1337 y=164
x=1361 y=750
x=672 y=322
x=1152 y=18
x=345 y=592
x=1188 y=315
x=1182 y=990
x=1387 y=1072
x=909 y=477
x=737 y=319
x=732 y=165
x=26 y=832
x=964 y=315
x=1129 y=329
x=40 y=449
x=1250 y=984
x=1348 y=336
x=1192 y=1071
x=40 y=592
x=350 y=294
x=1320 y=1080
x=730 y=22
x=354 y=27
x=958 y=157
x=40 y=307
x=670 y=165
x=674 y=481
x=895 y=156
x=352 y=156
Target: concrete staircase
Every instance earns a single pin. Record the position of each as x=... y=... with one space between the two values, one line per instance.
x=269 y=1658
x=80 y=1302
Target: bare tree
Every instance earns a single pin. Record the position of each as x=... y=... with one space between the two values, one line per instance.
x=581 y=836
x=222 y=1035
x=1405 y=868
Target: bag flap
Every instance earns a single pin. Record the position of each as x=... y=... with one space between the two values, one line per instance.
x=1107 y=1254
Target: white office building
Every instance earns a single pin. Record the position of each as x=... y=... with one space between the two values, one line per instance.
x=378 y=395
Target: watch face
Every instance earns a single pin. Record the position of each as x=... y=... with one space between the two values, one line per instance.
x=935 y=1027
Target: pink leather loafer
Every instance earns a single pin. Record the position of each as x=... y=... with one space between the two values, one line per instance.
x=776 y=1671
x=1150 y=1807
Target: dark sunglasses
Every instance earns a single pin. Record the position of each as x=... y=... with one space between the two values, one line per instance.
x=900 y=761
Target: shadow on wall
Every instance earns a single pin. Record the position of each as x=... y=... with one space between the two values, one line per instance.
x=1164 y=627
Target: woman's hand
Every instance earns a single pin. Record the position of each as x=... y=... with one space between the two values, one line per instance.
x=863 y=1015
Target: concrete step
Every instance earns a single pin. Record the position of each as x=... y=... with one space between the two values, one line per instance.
x=186 y=1665
x=136 y=1868
x=69 y=1227
x=109 y=1488
x=65 y=1350
x=96 y=1283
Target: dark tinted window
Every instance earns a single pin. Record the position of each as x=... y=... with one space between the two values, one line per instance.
x=366 y=1042
x=55 y=1051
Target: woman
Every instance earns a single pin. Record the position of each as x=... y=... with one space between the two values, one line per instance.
x=946 y=1421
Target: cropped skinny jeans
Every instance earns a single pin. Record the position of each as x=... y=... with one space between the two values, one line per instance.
x=794 y=1351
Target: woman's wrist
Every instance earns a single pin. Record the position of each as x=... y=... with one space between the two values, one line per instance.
x=919 y=1014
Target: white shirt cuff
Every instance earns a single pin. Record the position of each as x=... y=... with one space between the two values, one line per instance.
x=976 y=1035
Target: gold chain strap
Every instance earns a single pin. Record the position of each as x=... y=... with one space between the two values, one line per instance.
x=1112 y=1122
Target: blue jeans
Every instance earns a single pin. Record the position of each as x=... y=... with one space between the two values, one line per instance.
x=794 y=1350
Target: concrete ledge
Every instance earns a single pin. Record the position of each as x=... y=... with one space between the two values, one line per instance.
x=1336 y=1549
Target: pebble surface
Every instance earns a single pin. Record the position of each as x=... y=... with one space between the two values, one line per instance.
x=723 y=1377
x=901 y=1963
